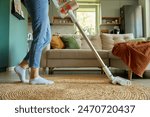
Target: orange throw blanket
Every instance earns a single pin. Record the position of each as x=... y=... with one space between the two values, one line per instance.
x=136 y=55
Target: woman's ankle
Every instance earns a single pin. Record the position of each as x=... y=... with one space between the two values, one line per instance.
x=34 y=73
x=24 y=64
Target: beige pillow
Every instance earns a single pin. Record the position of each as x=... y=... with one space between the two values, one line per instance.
x=95 y=40
x=108 y=40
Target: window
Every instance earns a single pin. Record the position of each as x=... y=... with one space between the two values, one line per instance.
x=87 y=19
x=88 y=16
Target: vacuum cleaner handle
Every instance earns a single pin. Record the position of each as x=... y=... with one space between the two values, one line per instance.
x=105 y=68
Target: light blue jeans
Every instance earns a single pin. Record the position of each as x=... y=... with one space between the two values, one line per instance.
x=38 y=11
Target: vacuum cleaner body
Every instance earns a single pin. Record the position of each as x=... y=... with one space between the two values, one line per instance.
x=65 y=8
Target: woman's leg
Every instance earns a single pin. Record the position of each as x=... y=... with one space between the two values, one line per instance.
x=38 y=10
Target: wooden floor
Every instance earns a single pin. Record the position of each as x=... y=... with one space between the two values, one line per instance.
x=11 y=76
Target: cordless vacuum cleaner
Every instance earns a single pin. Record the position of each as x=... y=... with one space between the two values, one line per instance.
x=66 y=8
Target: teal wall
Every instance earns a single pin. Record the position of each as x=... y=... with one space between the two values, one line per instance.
x=13 y=39
x=17 y=38
x=4 y=32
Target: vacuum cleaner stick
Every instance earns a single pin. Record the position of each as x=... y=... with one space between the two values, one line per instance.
x=66 y=7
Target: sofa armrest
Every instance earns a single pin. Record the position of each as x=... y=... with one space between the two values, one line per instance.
x=43 y=56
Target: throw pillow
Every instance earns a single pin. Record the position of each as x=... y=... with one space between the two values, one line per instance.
x=75 y=36
x=95 y=40
x=57 y=43
x=70 y=42
x=107 y=41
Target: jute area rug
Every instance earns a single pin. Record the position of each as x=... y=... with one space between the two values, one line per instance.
x=73 y=87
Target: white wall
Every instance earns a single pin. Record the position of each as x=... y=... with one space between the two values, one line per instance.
x=108 y=8
x=63 y=29
x=112 y=7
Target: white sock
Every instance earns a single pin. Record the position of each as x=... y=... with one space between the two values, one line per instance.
x=21 y=73
x=41 y=81
x=121 y=81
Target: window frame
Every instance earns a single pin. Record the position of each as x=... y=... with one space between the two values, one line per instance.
x=97 y=7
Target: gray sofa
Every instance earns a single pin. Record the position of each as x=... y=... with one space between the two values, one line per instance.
x=84 y=57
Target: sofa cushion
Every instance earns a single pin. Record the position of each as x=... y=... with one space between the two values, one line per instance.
x=75 y=54
x=108 y=40
x=70 y=42
x=138 y=40
x=111 y=56
x=57 y=43
x=96 y=41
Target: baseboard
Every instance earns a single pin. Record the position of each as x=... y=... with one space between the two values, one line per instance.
x=2 y=69
x=76 y=71
x=10 y=68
